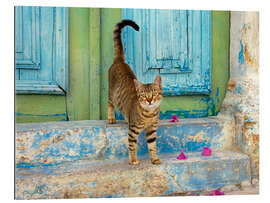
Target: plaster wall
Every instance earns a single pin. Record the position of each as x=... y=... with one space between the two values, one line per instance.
x=242 y=96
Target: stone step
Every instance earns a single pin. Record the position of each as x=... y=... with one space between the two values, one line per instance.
x=56 y=142
x=116 y=178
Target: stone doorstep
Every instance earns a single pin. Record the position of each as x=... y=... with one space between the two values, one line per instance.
x=25 y=127
x=56 y=142
x=116 y=178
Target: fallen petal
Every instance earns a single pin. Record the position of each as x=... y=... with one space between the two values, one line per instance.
x=206 y=151
x=174 y=118
x=182 y=156
x=216 y=192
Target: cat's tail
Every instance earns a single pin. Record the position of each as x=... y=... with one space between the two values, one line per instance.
x=118 y=46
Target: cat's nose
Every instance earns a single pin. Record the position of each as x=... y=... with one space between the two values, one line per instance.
x=149 y=99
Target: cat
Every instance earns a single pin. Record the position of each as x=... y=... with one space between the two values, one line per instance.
x=138 y=102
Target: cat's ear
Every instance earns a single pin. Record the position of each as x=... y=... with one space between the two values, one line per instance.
x=158 y=81
x=137 y=84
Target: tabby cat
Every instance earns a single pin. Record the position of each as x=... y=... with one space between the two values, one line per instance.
x=138 y=102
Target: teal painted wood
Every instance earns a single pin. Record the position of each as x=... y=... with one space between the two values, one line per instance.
x=61 y=50
x=174 y=43
x=168 y=43
x=52 y=50
x=38 y=87
x=27 y=37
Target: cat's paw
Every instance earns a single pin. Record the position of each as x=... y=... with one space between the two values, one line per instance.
x=112 y=120
x=156 y=161
x=134 y=162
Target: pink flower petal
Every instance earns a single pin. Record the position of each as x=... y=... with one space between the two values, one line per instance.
x=206 y=151
x=216 y=192
x=174 y=118
x=182 y=156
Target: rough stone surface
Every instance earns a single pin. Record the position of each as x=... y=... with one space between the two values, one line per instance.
x=56 y=142
x=229 y=188
x=255 y=182
x=85 y=159
x=242 y=97
x=115 y=178
x=246 y=183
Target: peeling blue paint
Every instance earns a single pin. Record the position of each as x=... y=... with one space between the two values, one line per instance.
x=181 y=113
x=237 y=89
x=109 y=142
x=194 y=175
x=184 y=113
x=42 y=115
x=36 y=164
x=194 y=113
x=58 y=116
x=106 y=159
x=217 y=95
x=241 y=57
x=92 y=184
x=118 y=115
x=184 y=72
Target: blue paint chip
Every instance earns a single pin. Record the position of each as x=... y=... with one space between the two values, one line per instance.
x=241 y=58
x=217 y=95
x=93 y=184
x=119 y=116
x=238 y=89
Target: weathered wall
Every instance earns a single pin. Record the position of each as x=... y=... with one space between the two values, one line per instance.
x=55 y=142
x=243 y=89
x=40 y=108
x=78 y=92
x=109 y=17
x=86 y=159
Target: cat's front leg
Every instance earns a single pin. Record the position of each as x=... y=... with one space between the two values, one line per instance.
x=111 y=117
x=151 y=133
x=133 y=133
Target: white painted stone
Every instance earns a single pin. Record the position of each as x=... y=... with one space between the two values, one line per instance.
x=229 y=188
x=255 y=182
x=245 y=183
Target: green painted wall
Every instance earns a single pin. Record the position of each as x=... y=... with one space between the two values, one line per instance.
x=78 y=92
x=95 y=63
x=90 y=56
x=109 y=17
x=37 y=108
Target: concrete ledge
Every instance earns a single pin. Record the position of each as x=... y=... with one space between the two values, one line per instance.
x=115 y=178
x=57 y=142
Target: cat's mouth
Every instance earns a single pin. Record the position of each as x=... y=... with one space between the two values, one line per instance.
x=148 y=106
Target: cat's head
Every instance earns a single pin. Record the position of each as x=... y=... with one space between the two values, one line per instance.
x=149 y=95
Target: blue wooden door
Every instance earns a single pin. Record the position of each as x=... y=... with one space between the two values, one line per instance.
x=174 y=43
x=41 y=54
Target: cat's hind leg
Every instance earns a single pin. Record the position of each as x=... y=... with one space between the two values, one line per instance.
x=111 y=117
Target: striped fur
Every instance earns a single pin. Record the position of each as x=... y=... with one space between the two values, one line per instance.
x=118 y=46
x=139 y=103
